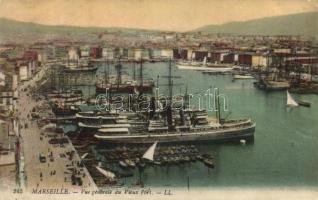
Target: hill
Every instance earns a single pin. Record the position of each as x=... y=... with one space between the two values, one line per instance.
x=295 y=24
x=11 y=30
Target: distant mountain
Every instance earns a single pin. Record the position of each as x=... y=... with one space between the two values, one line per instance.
x=294 y=24
x=11 y=30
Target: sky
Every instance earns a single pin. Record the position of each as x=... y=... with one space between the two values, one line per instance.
x=171 y=15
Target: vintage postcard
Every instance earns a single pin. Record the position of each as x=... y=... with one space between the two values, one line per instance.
x=159 y=99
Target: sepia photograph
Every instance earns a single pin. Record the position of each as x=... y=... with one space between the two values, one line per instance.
x=159 y=99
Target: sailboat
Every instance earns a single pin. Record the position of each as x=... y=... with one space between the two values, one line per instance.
x=290 y=101
x=150 y=152
x=148 y=155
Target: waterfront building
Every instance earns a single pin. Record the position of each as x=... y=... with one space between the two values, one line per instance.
x=180 y=53
x=73 y=53
x=245 y=59
x=154 y=53
x=190 y=55
x=84 y=51
x=42 y=56
x=60 y=52
x=282 y=50
x=96 y=52
x=145 y=54
x=215 y=57
x=130 y=54
x=23 y=72
x=138 y=54
x=227 y=58
x=8 y=91
x=108 y=53
x=199 y=55
x=261 y=60
x=166 y=53
x=30 y=55
x=124 y=52
x=6 y=99
x=2 y=79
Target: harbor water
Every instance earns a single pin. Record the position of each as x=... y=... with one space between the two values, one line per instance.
x=284 y=152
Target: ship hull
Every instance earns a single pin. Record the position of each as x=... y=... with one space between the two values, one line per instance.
x=216 y=135
x=81 y=69
x=144 y=88
x=205 y=68
x=272 y=86
x=127 y=89
x=243 y=77
x=63 y=111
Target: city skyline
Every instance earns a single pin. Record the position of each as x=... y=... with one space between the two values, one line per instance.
x=157 y=15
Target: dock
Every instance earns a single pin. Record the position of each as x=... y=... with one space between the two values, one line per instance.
x=54 y=170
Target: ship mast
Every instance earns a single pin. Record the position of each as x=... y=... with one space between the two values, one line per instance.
x=186 y=100
x=219 y=109
x=169 y=108
x=105 y=72
x=217 y=105
x=170 y=82
x=141 y=74
x=170 y=93
x=118 y=69
x=134 y=71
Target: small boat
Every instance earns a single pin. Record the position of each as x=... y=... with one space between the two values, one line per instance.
x=123 y=164
x=84 y=156
x=272 y=85
x=186 y=159
x=157 y=162
x=304 y=103
x=243 y=76
x=209 y=162
x=175 y=160
x=142 y=164
x=199 y=157
x=207 y=156
x=130 y=163
x=193 y=158
x=80 y=68
x=290 y=101
x=243 y=142
x=164 y=160
x=171 y=160
x=137 y=160
x=106 y=173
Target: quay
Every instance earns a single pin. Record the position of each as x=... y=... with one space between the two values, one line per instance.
x=53 y=171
